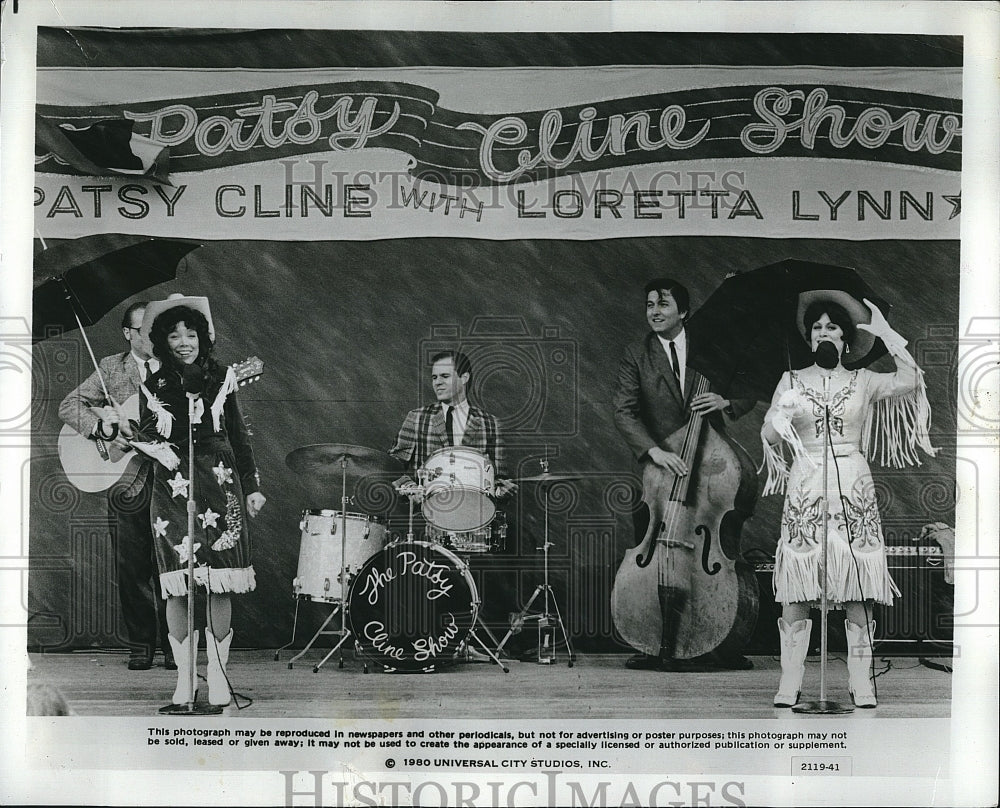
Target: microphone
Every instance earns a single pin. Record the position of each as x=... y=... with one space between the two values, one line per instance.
x=826 y=355
x=193 y=380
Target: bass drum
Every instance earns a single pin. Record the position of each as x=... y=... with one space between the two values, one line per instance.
x=412 y=606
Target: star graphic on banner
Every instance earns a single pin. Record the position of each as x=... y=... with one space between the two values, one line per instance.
x=160 y=526
x=955 y=200
x=182 y=550
x=222 y=474
x=178 y=486
x=209 y=518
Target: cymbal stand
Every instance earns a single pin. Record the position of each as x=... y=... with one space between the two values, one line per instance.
x=409 y=530
x=340 y=608
x=544 y=589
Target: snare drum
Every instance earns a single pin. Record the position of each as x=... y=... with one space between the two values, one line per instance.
x=458 y=482
x=489 y=539
x=412 y=606
x=318 y=576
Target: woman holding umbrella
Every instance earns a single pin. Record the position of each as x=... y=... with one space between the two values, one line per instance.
x=226 y=483
x=884 y=416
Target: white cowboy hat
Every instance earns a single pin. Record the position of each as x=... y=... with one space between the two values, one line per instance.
x=863 y=341
x=157 y=307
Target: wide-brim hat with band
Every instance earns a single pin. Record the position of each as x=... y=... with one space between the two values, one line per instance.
x=863 y=341
x=156 y=307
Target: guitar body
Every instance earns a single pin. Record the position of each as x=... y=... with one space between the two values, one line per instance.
x=696 y=556
x=85 y=468
x=88 y=470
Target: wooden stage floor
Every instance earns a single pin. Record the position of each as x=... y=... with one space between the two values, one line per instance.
x=597 y=686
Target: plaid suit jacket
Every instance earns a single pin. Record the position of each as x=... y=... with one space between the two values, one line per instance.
x=122 y=378
x=423 y=433
x=121 y=375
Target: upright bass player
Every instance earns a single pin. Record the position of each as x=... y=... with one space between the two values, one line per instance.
x=655 y=396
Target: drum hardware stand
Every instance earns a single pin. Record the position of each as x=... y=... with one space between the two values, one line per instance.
x=479 y=624
x=409 y=530
x=824 y=706
x=295 y=626
x=545 y=617
x=489 y=651
x=322 y=631
x=339 y=607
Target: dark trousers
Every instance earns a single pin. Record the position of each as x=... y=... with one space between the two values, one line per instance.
x=142 y=607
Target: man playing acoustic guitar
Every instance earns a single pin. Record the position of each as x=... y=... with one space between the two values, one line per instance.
x=88 y=410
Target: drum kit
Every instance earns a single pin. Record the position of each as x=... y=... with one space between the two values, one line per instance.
x=409 y=604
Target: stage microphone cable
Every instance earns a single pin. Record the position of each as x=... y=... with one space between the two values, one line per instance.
x=857 y=567
x=208 y=612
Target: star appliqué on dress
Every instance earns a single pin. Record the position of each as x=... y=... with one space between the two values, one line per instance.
x=222 y=474
x=209 y=518
x=178 y=486
x=182 y=551
x=160 y=526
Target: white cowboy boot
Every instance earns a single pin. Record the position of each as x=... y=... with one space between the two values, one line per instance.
x=218 y=656
x=794 y=647
x=182 y=656
x=859 y=663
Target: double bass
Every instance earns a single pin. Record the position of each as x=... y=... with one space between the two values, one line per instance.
x=683 y=592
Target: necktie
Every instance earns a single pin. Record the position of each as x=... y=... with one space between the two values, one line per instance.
x=674 y=363
x=448 y=426
x=148 y=370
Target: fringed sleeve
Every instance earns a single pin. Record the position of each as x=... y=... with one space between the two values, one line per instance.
x=164 y=418
x=776 y=465
x=155 y=426
x=785 y=404
x=899 y=418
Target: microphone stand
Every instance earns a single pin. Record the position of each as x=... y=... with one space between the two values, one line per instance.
x=824 y=706
x=191 y=707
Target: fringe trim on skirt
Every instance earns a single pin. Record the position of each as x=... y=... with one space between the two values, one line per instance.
x=796 y=576
x=174 y=584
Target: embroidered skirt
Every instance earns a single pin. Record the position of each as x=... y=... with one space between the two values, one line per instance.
x=857 y=567
x=221 y=540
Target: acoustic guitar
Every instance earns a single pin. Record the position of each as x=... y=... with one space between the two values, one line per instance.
x=94 y=465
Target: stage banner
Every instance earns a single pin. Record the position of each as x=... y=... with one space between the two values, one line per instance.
x=591 y=152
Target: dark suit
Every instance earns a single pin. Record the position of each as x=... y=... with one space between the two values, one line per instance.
x=423 y=433
x=648 y=402
x=649 y=407
x=128 y=506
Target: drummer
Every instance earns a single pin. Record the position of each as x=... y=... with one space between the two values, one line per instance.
x=450 y=421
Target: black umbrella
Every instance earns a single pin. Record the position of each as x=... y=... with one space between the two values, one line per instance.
x=77 y=282
x=748 y=332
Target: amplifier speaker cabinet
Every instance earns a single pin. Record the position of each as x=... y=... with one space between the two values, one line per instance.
x=919 y=623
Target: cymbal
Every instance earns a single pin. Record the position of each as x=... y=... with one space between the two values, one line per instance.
x=550 y=478
x=330 y=459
